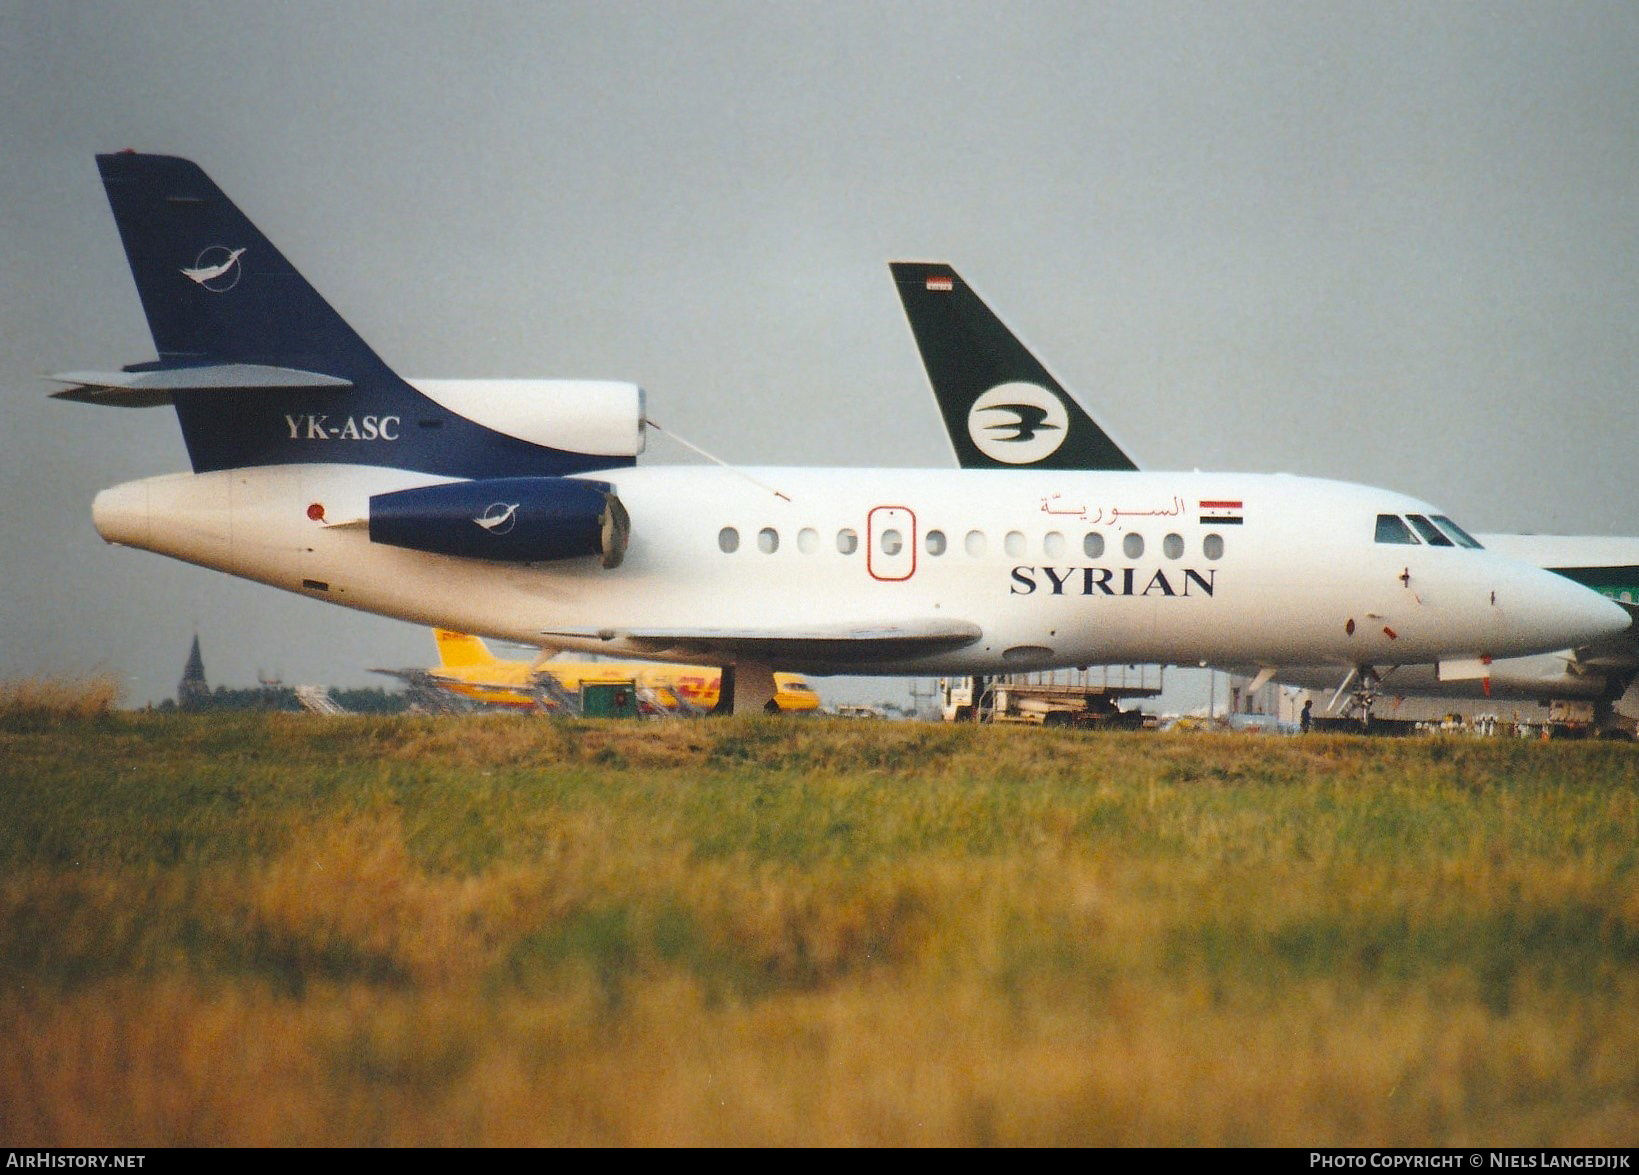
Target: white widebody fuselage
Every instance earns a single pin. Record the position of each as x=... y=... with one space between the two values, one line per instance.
x=1047 y=568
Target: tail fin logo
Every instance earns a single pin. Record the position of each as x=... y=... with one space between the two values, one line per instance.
x=1018 y=423
x=499 y=517
x=217 y=269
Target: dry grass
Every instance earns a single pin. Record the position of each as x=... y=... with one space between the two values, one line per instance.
x=36 y=701
x=413 y=931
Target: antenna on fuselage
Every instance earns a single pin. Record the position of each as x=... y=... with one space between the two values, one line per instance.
x=715 y=460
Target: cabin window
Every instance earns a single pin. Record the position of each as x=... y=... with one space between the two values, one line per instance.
x=935 y=542
x=847 y=541
x=1093 y=544
x=975 y=543
x=808 y=540
x=891 y=542
x=1464 y=539
x=1013 y=544
x=1132 y=545
x=768 y=540
x=1391 y=528
x=1053 y=546
x=728 y=540
x=1173 y=546
x=1213 y=546
x=1431 y=533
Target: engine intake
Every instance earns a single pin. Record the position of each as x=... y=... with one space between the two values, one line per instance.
x=506 y=520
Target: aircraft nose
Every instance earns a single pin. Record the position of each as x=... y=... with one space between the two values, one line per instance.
x=1571 y=615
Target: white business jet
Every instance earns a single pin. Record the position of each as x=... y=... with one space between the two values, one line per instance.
x=515 y=509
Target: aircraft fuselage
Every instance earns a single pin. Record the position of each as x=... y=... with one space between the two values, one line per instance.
x=1054 y=568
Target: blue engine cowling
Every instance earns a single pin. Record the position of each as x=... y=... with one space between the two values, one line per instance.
x=506 y=519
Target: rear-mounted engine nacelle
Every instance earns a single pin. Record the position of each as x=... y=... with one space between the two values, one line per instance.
x=507 y=519
x=600 y=417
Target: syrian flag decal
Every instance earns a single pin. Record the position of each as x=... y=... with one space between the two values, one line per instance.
x=1221 y=514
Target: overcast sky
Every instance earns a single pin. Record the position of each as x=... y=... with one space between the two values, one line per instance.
x=1390 y=243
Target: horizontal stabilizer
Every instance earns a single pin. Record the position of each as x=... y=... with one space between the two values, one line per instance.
x=816 y=646
x=147 y=389
x=413 y=676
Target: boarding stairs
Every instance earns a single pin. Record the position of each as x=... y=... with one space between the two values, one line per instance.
x=316 y=699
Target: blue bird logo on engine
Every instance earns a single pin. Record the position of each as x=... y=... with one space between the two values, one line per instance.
x=499 y=518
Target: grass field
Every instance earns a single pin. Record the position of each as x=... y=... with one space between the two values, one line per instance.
x=282 y=929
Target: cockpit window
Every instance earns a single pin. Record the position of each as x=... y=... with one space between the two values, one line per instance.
x=1431 y=533
x=1464 y=539
x=1391 y=528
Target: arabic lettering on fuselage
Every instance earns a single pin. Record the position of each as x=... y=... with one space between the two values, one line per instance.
x=1056 y=505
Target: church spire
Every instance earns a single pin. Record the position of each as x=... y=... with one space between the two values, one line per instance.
x=192 y=692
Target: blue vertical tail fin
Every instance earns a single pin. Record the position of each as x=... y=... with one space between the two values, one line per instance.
x=262 y=371
x=216 y=290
